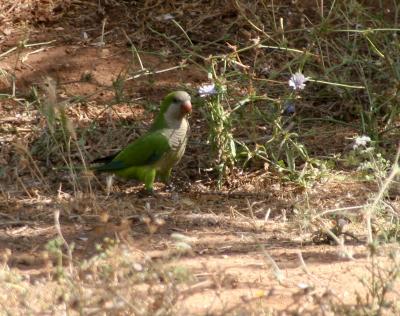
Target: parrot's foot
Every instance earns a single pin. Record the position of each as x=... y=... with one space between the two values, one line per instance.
x=146 y=193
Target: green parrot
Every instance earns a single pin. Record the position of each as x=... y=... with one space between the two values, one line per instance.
x=157 y=151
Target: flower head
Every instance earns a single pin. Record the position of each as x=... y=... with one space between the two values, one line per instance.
x=206 y=90
x=297 y=81
x=361 y=141
x=289 y=108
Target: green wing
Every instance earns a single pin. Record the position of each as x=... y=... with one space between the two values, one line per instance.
x=144 y=151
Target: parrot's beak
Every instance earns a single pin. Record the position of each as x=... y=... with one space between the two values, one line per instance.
x=186 y=107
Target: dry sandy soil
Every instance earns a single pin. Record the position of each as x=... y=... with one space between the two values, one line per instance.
x=256 y=245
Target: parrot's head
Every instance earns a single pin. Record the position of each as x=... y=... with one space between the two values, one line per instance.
x=176 y=105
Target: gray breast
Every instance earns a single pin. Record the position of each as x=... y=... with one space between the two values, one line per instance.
x=178 y=136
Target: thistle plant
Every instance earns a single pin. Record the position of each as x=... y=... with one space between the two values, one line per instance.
x=283 y=148
x=369 y=161
x=220 y=125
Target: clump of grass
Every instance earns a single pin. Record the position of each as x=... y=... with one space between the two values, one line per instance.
x=281 y=149
x=118 y=85
x=59 y=141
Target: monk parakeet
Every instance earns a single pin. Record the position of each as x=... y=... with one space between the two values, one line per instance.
x=156 y=152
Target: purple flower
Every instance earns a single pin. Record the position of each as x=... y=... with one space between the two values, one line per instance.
x=206 y=90
x=361 y=141
x=297 y=81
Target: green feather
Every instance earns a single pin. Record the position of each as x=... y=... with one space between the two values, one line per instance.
x=146 y=150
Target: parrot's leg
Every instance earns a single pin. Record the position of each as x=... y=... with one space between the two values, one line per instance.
x=165 y=176
x=149 y=180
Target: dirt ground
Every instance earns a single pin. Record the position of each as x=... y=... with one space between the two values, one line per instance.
x=254 y=244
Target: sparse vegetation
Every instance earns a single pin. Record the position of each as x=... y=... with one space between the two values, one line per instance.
x=286 y=201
